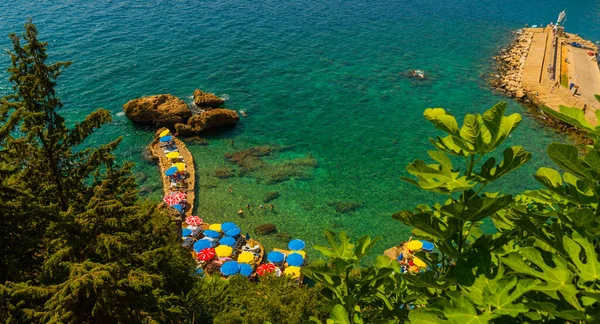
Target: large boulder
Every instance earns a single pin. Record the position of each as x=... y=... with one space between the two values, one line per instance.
x=206 y=120
x=162 y=110
x=207 y=100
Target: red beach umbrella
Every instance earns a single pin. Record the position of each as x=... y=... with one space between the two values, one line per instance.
x=265 y=269
x=206 y=254
x=193 y=220
x=174 y=198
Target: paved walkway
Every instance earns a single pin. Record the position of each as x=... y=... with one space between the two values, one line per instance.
x=585 y=74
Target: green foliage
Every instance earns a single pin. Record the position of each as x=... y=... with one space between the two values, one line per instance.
x=597 y=96
x=576 y=117
x=78 y=246
x=357 y=294
x=238 y=300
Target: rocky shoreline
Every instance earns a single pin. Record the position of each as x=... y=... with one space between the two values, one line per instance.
x=165 y=110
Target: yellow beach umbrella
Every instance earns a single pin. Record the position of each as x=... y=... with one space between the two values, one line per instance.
x=302 y=253
x=179 y=166
x=419 y=263
x=172 y=155
x=164 y=133
x=215 y=227
x=292 y=271
x=223 y=250
x=414 y=245
x=246 y=257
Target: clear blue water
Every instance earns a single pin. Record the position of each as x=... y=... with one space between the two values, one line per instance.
x=324 y=77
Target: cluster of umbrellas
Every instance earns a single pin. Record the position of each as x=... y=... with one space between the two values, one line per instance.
x=291 y=260
x=411 y=262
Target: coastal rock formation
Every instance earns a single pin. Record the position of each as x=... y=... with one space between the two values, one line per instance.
x=265 y=229
x=510 y=64
x=159 y=110
x=271 y=196
x=207 y=120
x=207 y=100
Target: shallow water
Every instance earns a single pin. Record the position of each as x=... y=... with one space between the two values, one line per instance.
x=326 y=79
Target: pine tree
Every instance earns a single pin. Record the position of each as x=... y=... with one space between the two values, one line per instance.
x=80 y=247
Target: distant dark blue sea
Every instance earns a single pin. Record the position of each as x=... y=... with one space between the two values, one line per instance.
x=321 y=79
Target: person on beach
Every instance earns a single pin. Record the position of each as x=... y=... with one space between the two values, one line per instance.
x=240 y=212
x=229 y=189
x=554 y=86
x=261 y=206
x=575 y=90
x=271 y=207
x=584 y=108
x=571 y=86
x=248 y=206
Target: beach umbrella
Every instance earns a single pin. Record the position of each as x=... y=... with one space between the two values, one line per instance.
x=178 y=207
x=245 y=269
x=234 y=232
x=296 y=244
x=165 y=139
x=227 y=240
x=180 y=166
x=400 y=257
x=171 y=171
x=193 y=220
x=174 y=198
x=186 y=232
x=164 y=133
x=275 y=256
x=265 y=269
x=172 y=155
x=246 y=257
x=419 y=263
x=215 y=227
x=223 y=251
x=295 y=259
x=201 y=245
x=414 y=245
x=427 y=246
x=206 y=254
x=228 y=226
x=211 y=233
x=230 y=268
x=292 y=271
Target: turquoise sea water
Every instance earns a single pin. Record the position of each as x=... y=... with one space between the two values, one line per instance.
x=325 y=79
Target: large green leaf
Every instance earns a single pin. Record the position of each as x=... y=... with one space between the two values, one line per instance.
x=442 y=120
x=501 y=293
x=573 y=116
x=339 y=315
x=499 y=126
x=437 y=177
x=459 y=310
x=470 y=132
x=476 y=208
x=514 y=157
x=567 y=157
x=555 y=278
x=588 y=267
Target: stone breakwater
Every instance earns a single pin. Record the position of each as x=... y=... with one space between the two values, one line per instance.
x=510 y=63
x=540 y=64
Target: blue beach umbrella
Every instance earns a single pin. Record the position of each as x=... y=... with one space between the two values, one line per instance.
x=186 y=232
x=178 y=207
x=296 y=244
x=427 y=246
x=227 y=240
x=275 y=256
x=234 y=232
x=230 y=268
x=171 y=171
x=200 y=272
x=245 y=269
x=227 y=226
x=295 y=260
x=166 y=138
x=211 y=233
x=201 y=245
x=400 y=257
